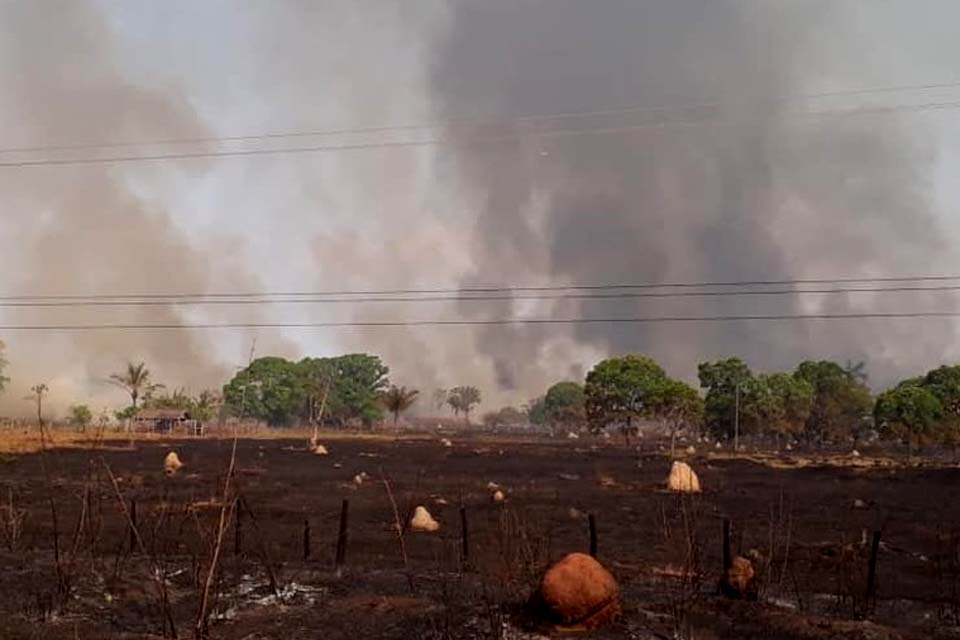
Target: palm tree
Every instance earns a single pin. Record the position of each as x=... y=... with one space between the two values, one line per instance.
x=135 y=381
x=462 y=399
x=398 y=399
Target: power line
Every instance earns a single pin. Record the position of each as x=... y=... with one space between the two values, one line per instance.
x=471 y=298
x=429 y=142
x=470 y=121
x=495 y=288
x=472 y=323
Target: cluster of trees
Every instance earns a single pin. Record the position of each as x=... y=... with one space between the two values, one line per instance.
x=922 y=410
x=459 y=399
x=336 y=391
x=820 y=401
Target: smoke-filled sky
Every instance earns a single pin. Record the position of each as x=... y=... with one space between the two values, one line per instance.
x=748 y=189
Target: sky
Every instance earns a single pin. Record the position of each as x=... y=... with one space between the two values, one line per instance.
x=766 y=194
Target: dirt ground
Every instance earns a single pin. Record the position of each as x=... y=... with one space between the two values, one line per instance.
x=807 y=528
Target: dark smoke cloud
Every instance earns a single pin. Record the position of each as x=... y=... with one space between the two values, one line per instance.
x=744 y=189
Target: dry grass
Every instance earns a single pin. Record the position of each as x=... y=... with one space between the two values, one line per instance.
x=24 y=439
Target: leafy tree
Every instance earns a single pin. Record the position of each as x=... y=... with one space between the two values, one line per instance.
x=280 y=392
x=786 y=405
x=270 y=389
x=723 y=380
x=909 y=411
x=358 y=380
x=565 y=404
x=621 y=390
x=81 y=416
x=3 y=366
x=206 y=406
x=399 y=399
x=135 y=380
x=537 y=411
x=679 y=406
x=463 y=399
x=840 y=400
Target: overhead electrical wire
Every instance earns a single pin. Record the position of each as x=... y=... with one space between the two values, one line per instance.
x=249 y=301
x=703 y=284
x=472 y=120
x=471 y=323
x=437 y=141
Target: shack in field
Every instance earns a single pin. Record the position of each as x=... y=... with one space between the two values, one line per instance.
x=167 y=421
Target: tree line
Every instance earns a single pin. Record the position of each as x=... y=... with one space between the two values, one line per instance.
x=819 y=402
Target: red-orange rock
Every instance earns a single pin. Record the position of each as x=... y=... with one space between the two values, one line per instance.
x=578 y=590
x=739 y=581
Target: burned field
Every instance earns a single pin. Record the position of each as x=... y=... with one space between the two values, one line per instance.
x=72 y=567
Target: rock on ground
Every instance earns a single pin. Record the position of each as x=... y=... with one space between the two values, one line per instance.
x=579 y=591
x=739 y=580
x=171 y=463
x=423 y=521
x=682 y=478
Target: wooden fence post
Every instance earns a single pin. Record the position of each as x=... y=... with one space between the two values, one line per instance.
x=593 y=535
x=342 y=535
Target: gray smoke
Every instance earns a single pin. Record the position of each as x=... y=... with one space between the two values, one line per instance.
x=90 y=229
x=741 y=190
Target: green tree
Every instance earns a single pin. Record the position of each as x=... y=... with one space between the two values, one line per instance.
x=135 y=380
x=81 y=416
x=3 y=366
x=679 y=406
x=398 y=399
x=787 y=405
x=269 y=389
x=281 y=392
x=724 y=381
x=537 y=411
x=463 y=399
x=909 y=411
x=840 y=400
x=622 y=390
x=565 y=404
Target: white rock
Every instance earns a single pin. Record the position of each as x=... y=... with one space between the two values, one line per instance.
x=440 y=501
x=718 y=446
x=572 y=436
x=172 y=464
x=492 y=486
x=788 y=447
x=360 y=478
x=859 y=504
x=691 y=450
x=423 y=521
x=446 y=442
x=574 y=514
x=682 y=478
x=855 y=454
x=320 y=450
x=498 y=496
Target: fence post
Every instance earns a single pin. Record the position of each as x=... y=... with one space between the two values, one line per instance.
x=872 y=572
x=465 y=539
x=238 y=529
x=592 y=521
x=726 y=546
x=306 y=539
x=342 y=535
x=133 y=525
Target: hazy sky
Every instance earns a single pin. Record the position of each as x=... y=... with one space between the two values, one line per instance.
x=765 y=197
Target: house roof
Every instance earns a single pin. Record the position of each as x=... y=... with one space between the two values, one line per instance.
x=162 y=414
